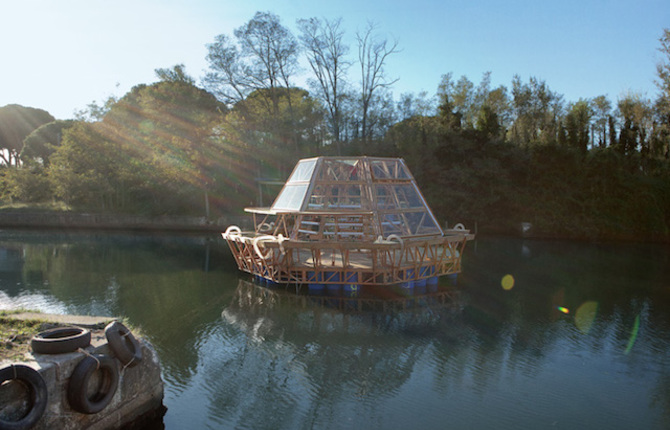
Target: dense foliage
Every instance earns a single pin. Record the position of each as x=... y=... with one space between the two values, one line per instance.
x=492 y=156
x=16 y=123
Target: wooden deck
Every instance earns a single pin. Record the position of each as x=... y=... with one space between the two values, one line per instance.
x=361 y=263
x=348 y=220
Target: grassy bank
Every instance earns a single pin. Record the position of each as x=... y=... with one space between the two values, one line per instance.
x=15 y=335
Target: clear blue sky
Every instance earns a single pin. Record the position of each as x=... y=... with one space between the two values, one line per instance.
x=60 y=55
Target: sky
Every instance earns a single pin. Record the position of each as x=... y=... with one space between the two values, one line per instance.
x=62 y=55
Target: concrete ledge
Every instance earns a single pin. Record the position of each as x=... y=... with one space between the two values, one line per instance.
x=89 y=322
x=139 y=393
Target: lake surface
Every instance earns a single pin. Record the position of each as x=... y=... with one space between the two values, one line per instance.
x=532 y=335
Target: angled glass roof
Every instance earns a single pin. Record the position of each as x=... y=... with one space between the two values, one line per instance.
x=292 y=195
x=382 y=186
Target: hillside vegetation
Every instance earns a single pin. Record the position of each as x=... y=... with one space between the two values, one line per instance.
x=591 y=168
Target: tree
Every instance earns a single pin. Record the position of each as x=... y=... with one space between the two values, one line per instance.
x=466 y=107
x=95 y=111
x=16 y=123
x=662 y=106
x=227 y=77
x=176 y=74
x=577 y=124
x=273 y=53
x=87 y=170
x=303 y=119
x=635 y=113
x=381 y=116
x=491 y=104
x=372 y=55
x=264 y=57
x=536 y=111
x=601 y=113
x=462 y=97
x=26 y=184
x=411 y=105
x=326 y=53
x=663 y=69
x=44 y=141
x=153 y=152
x=488 y=122
x=450 y=117
x=167 y=128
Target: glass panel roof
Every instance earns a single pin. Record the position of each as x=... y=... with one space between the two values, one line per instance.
x=389 y=169
x=303 y=171
x=341 y=170
x=360 y=184
x=408 y=223
x=337 y=197
x=291 y=197
x=398 y=196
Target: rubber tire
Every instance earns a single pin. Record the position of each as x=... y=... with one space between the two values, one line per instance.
x=60 y=340
x=39 y=395
x=77 y=387
x=123 y=344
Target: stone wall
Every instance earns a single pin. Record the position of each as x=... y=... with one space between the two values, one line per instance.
x=138 y=397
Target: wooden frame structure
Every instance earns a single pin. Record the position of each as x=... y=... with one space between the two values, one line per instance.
x=348 y=222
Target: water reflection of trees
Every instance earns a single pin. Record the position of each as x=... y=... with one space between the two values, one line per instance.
x=159 y=283
x=308 y=356
x=625 y=284
x=318 y=358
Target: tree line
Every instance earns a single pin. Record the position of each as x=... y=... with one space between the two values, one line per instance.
x=492 y=155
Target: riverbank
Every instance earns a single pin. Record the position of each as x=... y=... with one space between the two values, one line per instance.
x=88 y=221
x=128 y=394
x=15 y=334
x=19 y=326
x=74 y=221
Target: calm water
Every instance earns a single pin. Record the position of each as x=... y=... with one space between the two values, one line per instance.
x=579 y=338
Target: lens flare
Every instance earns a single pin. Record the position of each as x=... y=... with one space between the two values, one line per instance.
x=562 y=309
x=507 y=282
x=586 y=315
x=633 y=335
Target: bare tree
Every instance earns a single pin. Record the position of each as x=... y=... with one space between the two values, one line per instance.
x=261 y=61
x=228 y=76
x=372 y=55
x=265 y=57
x=325 y=53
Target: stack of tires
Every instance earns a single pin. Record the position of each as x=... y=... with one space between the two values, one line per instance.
x=99 y=367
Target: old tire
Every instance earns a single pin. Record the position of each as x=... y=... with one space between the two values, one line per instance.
x=123 y=344
x=32 y=379
x=60 y=340
x=77 y=391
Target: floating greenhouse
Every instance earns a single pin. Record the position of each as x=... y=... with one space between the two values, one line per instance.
x=346 y=222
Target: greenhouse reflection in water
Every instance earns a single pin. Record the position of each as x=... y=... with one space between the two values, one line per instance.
x=580 y=339
x=374 y=308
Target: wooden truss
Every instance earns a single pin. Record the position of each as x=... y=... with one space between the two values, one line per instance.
x=348 y=221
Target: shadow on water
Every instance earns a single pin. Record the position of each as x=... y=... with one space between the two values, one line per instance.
x=534 y=335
